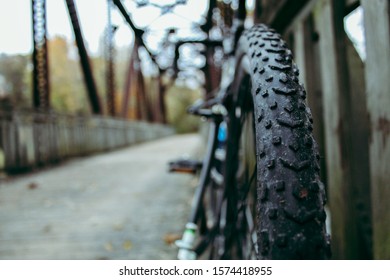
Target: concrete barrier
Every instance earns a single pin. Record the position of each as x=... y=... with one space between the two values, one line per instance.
x=29 y=139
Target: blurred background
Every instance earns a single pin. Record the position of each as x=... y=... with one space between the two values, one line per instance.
x=78 y=78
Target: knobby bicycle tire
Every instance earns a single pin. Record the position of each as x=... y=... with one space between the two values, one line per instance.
x=290 y=196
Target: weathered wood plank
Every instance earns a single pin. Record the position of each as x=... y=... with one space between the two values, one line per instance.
x=359 y=161
x=336 y=180
x=377 y=30
x=299 y=50
x=328 y=17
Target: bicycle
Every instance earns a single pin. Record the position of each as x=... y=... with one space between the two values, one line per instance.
x=259 y=193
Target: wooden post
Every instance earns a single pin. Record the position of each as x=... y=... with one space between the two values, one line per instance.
x=257 y=11
x=360 y=169
x=329 y=15
x=300 y=50
x=377 y=69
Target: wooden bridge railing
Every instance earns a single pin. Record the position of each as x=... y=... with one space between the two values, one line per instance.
x=29 y=139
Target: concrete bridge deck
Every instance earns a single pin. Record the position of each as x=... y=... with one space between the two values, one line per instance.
x=119 y=205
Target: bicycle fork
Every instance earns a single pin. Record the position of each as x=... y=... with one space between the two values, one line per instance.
x=187 y=244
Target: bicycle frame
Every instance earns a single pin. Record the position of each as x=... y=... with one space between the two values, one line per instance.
x=186 y=244
x=218 y=115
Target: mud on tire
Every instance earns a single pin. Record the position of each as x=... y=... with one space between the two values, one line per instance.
x=291 y=197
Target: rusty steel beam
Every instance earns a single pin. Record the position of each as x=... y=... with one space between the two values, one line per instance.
x=128 y=80
x=135 y=77
x=41 y=85
x=161 y=99
x=144 y=97
x=132 y=75
x=138 y=32
x=84 y=59
x=110 y=73
x=209 y=17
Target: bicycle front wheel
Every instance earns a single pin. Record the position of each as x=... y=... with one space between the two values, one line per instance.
x=280 y=173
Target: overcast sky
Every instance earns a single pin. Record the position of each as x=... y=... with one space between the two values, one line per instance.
x=15 y=22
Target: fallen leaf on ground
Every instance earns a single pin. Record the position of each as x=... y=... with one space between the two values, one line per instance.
x=169 y=238
x=127 y=245
x=118 y=227
x=108 y=246
x=32 y=186
x=47 y=229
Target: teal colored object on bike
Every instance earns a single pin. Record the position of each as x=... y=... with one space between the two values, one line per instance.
x=222 y=132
